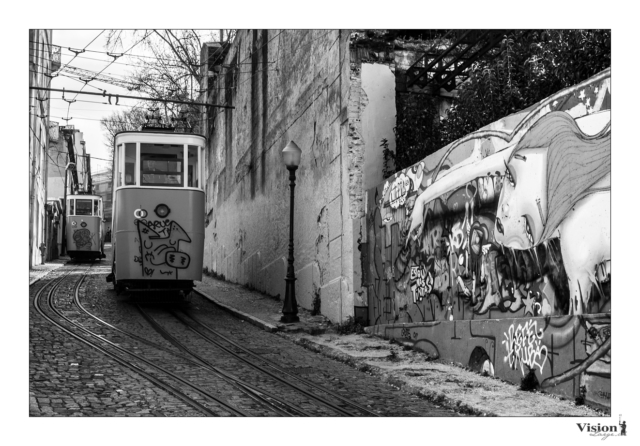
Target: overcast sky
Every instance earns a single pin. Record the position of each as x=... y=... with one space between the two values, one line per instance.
x=87 y=111
x=85 y=116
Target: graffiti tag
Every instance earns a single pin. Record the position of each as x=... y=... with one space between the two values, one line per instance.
x=421 y=283
x=399 y=190
x=524 y=346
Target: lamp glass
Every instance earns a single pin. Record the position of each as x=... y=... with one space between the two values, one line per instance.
x=291 y=155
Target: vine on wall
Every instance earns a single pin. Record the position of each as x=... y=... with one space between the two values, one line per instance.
x=528 y=67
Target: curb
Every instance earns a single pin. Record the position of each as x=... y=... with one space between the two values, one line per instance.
x=244 y=316
x=435 y=397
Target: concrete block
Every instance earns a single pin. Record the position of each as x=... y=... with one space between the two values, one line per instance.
x=347 y=300
x=330 y=298
x=334 y=264
x=331 y=181
x=334 y=218
x=335 y=147
x=304 y=286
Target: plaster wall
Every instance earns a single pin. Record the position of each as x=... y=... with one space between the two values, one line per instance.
x=291 y=85
x=378 y=118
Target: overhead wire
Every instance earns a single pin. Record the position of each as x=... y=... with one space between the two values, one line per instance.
x=85 y=119
x=77 y=154
x=94 y=39
x=122 y=54
x=133 y=46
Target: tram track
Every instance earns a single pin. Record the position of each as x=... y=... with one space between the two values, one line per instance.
x=277 y=404
x=273 y=377
x=48 y=306
x=267 y=399
x=200 y=328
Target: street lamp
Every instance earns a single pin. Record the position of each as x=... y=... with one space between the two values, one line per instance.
x=291 y=155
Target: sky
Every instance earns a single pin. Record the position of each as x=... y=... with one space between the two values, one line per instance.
x=87 y=111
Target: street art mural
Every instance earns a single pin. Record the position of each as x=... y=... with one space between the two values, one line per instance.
x=159 y=248
x=570 y=355
x=511 y=222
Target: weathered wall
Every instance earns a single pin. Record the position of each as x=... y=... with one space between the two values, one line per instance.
x=286 y=85
x=40 y=62
x=378 y=118
x=571 y=355
x=510 y=221
x=57 y=161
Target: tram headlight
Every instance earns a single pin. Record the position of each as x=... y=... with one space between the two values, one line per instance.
x=162 y=210
x=83 y=224
x=73 y=223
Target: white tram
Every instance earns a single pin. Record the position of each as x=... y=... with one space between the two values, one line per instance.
x=84 y=227
x=158 y=211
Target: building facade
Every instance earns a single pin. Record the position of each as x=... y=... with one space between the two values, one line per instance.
x=43 y=60
x=102 y=185
x=306 y=86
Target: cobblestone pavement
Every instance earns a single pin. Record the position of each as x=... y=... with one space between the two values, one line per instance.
x=447 y=384
x=69 y=378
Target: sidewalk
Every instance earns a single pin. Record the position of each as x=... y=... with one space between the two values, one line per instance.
x=446 y=384
x=37 y=272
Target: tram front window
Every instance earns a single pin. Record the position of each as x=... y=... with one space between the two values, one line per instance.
x=162 y=165
x=83 y=207
x=192 y=177
x=130 y=164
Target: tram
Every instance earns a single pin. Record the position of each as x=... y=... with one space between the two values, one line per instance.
x=84 y=227
x=158 y=210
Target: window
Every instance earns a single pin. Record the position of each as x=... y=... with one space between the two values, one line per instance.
x=96 y=207
x=119 y=173
x=192 y=177
x=71 y=207
x=83 y=207
x=162 y=165
x=130 y=164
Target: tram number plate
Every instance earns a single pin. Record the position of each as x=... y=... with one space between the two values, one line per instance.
x=178 y=259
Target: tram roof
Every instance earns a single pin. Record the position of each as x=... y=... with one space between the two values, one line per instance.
x=158 y=133
x=85 y=196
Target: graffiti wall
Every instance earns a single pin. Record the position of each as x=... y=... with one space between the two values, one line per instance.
x=570 y=355
x=511 y=221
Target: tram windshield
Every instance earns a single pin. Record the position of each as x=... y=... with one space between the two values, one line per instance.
x=159 y=165
x=83 y=207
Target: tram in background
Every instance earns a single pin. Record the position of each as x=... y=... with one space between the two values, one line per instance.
x=85 y=227
x=158 y=210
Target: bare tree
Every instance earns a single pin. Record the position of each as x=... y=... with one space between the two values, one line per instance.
x=123 y=121
x=173 y=72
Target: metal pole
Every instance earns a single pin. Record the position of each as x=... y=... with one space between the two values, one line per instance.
x=290 y=308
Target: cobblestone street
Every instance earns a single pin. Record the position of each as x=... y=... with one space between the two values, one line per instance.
x=70 y=378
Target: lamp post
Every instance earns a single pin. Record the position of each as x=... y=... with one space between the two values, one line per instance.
x=291 y=155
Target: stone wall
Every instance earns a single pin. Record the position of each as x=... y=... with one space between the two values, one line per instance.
x=510 y=222
x=291 y=85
